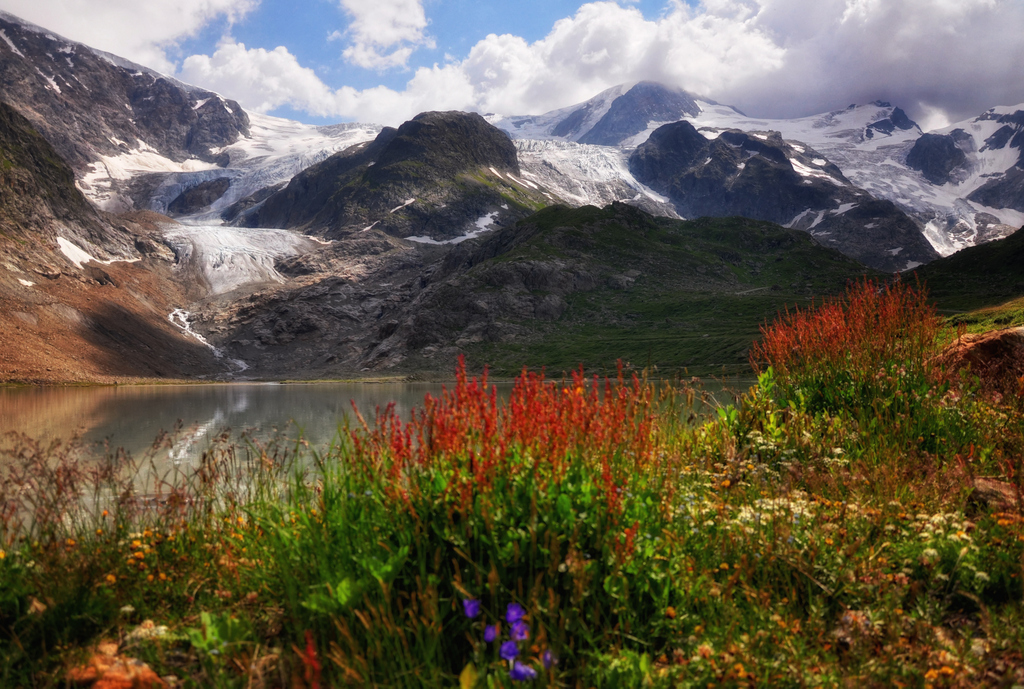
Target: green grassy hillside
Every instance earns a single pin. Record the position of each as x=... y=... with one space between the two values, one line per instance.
x=617 y=283
x=981 y=286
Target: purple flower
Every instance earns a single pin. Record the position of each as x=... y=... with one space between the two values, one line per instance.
x=490 y=633
x=514 y=613
x=522 y=673
x=509 y=650
x=471 y=606
x=520 y=630
x=549 y=659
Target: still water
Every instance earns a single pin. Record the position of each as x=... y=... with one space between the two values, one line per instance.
x=132 y=417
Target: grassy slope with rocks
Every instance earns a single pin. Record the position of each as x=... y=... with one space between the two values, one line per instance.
x=617 y=283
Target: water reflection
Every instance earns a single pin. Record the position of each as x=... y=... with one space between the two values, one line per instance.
x=132 y=417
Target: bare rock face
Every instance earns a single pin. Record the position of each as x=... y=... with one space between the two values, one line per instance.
x=996 y=357
x=199 y=197
x=936 y=156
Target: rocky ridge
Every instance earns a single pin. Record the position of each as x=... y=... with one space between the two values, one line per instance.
x=90 y=105
x=433 y=179
x=762 y=176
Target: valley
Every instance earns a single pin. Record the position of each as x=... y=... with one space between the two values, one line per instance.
x=637 y=391
x=183 y=237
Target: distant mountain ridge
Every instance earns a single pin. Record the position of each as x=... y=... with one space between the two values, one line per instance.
x=961 y=185
x=610 y=118
x=765 y=177
x=90 y=104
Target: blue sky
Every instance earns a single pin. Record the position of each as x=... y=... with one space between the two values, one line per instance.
x=455 y=25
x=385 y=60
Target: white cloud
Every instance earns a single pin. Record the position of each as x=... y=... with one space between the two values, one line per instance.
x=959 y=57
x=603 y=44
x=263 y=80
x=939 y=59
x=381 y=25
x=139 y=30
x=260 y=79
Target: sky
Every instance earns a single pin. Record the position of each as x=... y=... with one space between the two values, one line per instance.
x=383 y=61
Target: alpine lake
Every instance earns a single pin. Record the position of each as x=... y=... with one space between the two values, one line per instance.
x=172 y=425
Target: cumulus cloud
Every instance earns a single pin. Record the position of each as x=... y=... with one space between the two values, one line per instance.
x=603 y=44
x=134 y=29
x=380 y=26
x=263 y=80
x=941 y=60
x=936 y=58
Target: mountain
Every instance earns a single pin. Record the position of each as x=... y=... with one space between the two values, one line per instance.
x=979 y=276
x=83 y=295
x=932 y=177
x=961 y=184
x=763 y=176
x=92 y=106
x=610 y=118
x=436 y=178
x=308 y=251
x=138 y=139
x=559 y=288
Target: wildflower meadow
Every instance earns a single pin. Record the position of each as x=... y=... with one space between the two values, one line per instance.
x=818 y=530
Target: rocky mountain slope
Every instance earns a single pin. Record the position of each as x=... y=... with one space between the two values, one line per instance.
x=765 y=177
x=83 y=295
x=436 y=178
x=91 y=105
x=138 y=139
x=559 y=288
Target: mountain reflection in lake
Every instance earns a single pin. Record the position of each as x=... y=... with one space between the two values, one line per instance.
x=132 y=417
